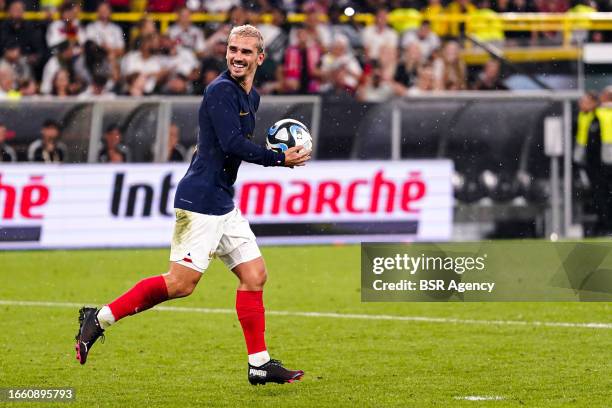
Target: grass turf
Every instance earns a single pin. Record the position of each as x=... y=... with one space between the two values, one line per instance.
x=165 y=358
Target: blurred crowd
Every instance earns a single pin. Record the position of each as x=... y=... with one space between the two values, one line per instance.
x=49 y=148
x=329 y=53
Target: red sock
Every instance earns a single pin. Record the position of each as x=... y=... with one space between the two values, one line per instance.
x=144 y=295
x=251 y=313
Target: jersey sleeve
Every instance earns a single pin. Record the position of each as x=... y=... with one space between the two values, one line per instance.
x=223 y=107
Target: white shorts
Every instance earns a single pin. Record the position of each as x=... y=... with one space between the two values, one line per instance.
x=199 y=237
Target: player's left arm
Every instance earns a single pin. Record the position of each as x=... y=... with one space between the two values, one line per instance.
x=222 y=104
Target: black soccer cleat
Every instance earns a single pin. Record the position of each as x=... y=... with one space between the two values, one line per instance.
x=89 y=331
x=273 y=371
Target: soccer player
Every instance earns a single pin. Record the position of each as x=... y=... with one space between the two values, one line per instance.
x=207 y=223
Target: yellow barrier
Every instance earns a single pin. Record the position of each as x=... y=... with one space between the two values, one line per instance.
x=523 y=55
x=566 y=23
x=511 y=21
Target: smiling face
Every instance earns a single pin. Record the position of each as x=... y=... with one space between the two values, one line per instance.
x=243 y=57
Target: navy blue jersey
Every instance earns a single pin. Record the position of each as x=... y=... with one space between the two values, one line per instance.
x=227 y=122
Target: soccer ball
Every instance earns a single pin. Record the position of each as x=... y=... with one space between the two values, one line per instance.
x=288 y=133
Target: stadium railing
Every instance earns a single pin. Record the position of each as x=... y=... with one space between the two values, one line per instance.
x=495 y=139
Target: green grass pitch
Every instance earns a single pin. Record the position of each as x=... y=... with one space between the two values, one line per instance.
x=190 y=358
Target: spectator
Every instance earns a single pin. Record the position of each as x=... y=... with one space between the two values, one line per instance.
x=16 y=29
x=503 y=6
x=177 y=84
x=514 y=38
x=188 y=35
x=97 y=89
x=67 y=28
x=135 y=84
x=94 y=61
x=434 y=12
x=212 y=65
x=146 y=27
x=377 y=35
x=591 y=153
x=405 y=15
x=457 y=8
x=164 y=6
x=62 y=86
x=220 y=34
x=236 y=16
x=349 y=29
x=113 y=151
x=370 y=6
x=449 y=69
x=406 y=73
x=176 y=152
x=266 y=6
x=280 y=84
x=551 y=6
x=253 y=14
x=488 y=27
x=584 y=8
x=28 y=88
x=336 y=88
x=424 y=82
x=7 y=82
x=105 y=33
x=120 y=5
x=387 y=56
x=489 y=78
x=178 y=60
x=275 y=35
x=521 y=6
x=13 y=59
x=317 y=31
x=48 y=148
x=63 y=58
x=340 y=63
x=301 y=70
x=276 y=39
x=50 y=6
x=220 y=6
x=7 y=153
x=427 y=40
x=147 y=62
x=61 y=83
x=376 y=86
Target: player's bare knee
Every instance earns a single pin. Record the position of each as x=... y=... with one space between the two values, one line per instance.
x=260 y=280
x=255 y=280
x=179 y=285
x=185 y=289
x=180 y=288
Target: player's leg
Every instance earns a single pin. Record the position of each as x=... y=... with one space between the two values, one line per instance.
x=195 y=238
x=240 y=253
x=250 y=307
x=179 y=281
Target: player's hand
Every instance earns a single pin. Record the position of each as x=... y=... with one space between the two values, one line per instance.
x=296 y=156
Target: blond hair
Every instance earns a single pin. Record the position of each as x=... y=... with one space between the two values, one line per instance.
x=248 y=30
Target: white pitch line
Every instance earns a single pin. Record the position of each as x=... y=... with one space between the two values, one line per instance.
x=480 y=398
x=425 y=319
